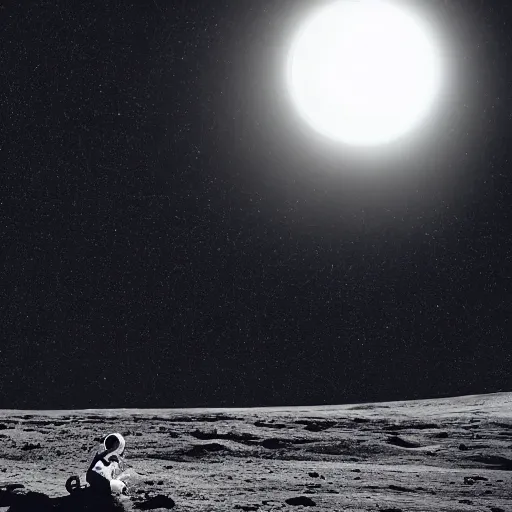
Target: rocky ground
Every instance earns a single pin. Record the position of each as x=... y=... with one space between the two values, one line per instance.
x=433 y=455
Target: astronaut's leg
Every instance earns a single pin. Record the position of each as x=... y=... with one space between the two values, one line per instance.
x=98 y=482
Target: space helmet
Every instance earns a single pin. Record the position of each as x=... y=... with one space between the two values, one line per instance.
x=115 y=440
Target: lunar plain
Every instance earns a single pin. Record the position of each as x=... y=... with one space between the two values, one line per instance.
x=450 y=454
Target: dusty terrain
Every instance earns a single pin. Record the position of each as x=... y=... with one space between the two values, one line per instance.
x=431 y=455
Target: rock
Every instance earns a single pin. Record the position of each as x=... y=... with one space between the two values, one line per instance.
x=463 y=447
x=159 y=501
x=356 y=471
x=466 y=502
x=470 y=480
x=313 y=474
x=301 y=500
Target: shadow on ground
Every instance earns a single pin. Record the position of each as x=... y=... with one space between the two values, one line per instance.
x=80 y=501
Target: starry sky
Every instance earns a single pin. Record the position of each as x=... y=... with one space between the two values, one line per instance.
x=173 y=235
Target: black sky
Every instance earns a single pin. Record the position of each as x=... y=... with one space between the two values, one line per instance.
x=174 y=235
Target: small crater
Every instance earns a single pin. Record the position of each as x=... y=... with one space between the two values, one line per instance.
x=273 y=444
x=200 y=450
x=399 y=488
x=30 y=446
x=263 y=424
x=319 y=426
x=230 y=436
x=248 y=508
x=402 y=443
x=494 y=462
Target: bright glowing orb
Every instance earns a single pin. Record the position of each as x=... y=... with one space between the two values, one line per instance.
x=363 y=72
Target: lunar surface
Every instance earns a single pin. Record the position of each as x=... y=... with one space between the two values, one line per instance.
x=452 y=454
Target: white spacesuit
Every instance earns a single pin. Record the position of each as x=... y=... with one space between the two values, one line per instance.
x=104 y=470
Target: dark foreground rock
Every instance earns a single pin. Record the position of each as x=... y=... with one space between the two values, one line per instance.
x=159 y=501
x=301 y=500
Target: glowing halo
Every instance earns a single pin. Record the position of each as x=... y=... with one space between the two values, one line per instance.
x=363 y=72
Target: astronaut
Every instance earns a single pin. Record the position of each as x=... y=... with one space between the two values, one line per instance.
x=105 y=467
x=105 y=474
